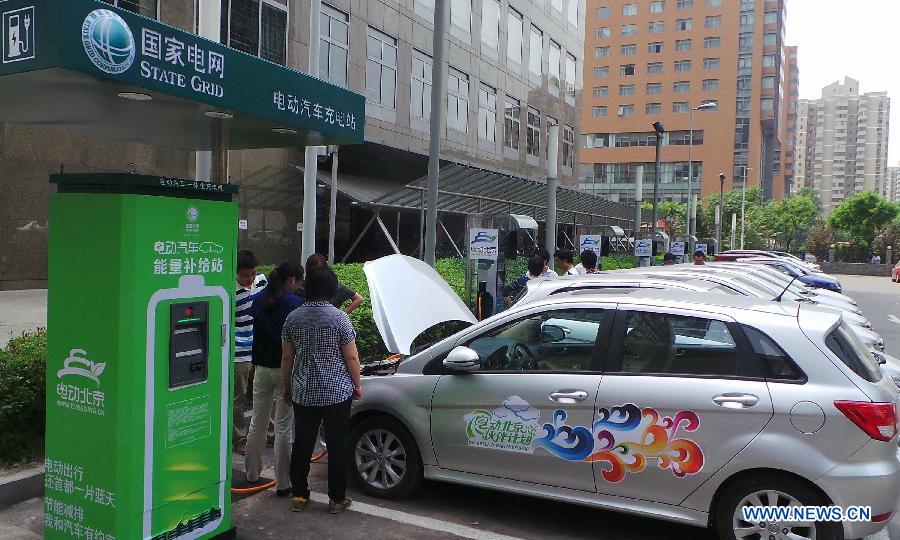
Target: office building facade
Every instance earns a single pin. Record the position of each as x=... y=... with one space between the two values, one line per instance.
x=843 y=143
x=658 y=61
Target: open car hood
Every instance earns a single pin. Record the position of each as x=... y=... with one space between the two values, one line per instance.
x=409 y=297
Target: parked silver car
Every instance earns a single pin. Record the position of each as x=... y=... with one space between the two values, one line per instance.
x=684 y=409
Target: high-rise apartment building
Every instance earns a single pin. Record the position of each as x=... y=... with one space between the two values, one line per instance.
x=893 y=183
x=843 y=142
x=783 y=184
x=659 y=60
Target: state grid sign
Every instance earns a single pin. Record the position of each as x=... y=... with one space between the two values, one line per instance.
x=593 y=242
x=483 y=244
x=677 y=248
x=643 y=248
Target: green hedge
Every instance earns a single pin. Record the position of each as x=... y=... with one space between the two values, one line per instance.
x=23 y=366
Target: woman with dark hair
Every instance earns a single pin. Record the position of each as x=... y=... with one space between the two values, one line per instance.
x=270 y=309
x=343 y=293
x=320 y=360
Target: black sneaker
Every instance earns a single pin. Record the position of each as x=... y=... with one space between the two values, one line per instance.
x=338 y=507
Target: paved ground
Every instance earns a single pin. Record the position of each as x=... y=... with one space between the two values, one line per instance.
x=879 y=300
x=21 y=311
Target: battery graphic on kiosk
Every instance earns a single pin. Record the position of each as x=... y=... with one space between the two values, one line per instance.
x=140 y=349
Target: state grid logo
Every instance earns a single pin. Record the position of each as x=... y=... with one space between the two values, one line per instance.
x=108 y=41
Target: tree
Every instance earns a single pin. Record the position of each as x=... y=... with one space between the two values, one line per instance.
x=673 y=212
x=888 y=236
x=790 y=217
x=819 y=239
x=861 y=216
x=755 y=227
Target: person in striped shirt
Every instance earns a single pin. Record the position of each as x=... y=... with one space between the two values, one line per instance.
x=249 y=284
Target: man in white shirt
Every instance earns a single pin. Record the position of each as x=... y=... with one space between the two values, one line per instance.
x=565 y=259
x=249 y=284
x=545 y=256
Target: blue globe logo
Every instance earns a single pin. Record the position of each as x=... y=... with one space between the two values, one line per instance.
x=108 y=41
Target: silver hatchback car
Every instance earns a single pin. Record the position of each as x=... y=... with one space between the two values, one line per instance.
x=684 y=409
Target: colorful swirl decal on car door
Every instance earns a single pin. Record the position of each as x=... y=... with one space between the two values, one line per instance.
x=625 y=437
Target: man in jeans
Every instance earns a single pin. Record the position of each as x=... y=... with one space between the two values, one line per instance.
x=249 y=284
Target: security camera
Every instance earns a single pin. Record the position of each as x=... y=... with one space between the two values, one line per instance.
x=722 y=176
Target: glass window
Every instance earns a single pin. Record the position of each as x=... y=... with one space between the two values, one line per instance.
x=147 y=8
x=682 y=65
x=766 y=104
x=601 y=72
x=711 y=85
x=777 y=364
x=653 y=108
x=771 y=17
x=381 y=68
x=601 y=91
x=847 y=347
x=768 y=60
x=629 y=29
x=746 y=19
x=420 y=86
x=681 y=87
x=680 y=106
x=657 y=27
x=461 y=15
x=712 y=21
x=683 y=45
x=335 y=44
x=711 y=43
x=675 y=344
x=533 y=133
x=458 y=101
x=768 y=81
x=713 y=3
x=655 y=47
x=571 y=66
x=603 y=12
x=626 y=69
x=601 y=52
x=511 y=114
x=487 y=113
x=490 y=25
x=562 y=340
x=626 y=89
x=598 y=111
x=424 y=9
x=568 y=146
x=683 y=25
x=628 y=50
x=711 y=63
x=770 y=38
x=536 y=51
x=557 y=5
x=553 y=66
x=626 y=110
x=654 y=68
x=685 y=4
x=572 y=13
x=255 y=28
x=603 y=32
x=514 y=37
x=657 y=6
x=629 y=10
x=654 y=88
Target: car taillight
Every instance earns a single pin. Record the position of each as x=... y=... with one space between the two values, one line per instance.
x=878 y=420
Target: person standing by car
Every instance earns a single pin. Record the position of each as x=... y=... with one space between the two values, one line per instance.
x=343 y=293
x=545 y=256
x=536 y=269
x=668 y=260
x=589 y=260
x=699 y=258
x=565 y=260
x=270 y=309
x=249 y=284
x=320 y=360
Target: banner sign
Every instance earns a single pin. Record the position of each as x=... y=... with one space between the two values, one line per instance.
x=702 y=247
x=483 y=244
x=677 y=248
x=593 y=242
x=643 y=248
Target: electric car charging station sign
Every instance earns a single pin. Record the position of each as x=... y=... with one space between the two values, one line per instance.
x=484 y=244
x=593 y=242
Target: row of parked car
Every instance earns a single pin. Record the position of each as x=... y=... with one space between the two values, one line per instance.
x=684 y=392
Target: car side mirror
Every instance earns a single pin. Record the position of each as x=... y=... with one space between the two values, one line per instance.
x=552 y=333
x=462 y=360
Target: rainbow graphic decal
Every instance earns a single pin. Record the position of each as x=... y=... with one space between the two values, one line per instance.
x=625 y=437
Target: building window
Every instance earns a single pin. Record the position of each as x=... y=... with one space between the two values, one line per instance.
x=601 y=72
x=629 y=29
x=256 y=28
x=420 y=86
x=770 y=38
x=711 y=63
x=654 y=88
x=626 y=69
x=684 y=25
x=333 y=50
x=657 y=6
x=745 y=62
x=603 y=12
x=490 y=25
x=487 y=113
x=598 y=111
x=601 y=91
x=626 y=89
x=628 y=50
x=766 y=104
x=680 y=107
x=685 y=4
x=533 y=133
x=769 y=82
x=514 y=37
x=653 y=108
x=771 y=17
x=458 y=101
x=511 y=114
x=746 y=19
x=657 y=27
x=682 y=66
x=710 y=85
x=629 y=10
x=713 y=3
x=553 y=66
x=557 y=6
x=573 y=13
x=424 y=9
x=147 y=8
x=536 y=51
x=655 y=47
x=768 y=60
x=601 y=52
x=713 y=21
x=461 y=15
x=654 y=68
x=711 y=43
x=568 y=146
x=603 y=32
x=626 y=110
x=570 y=78
x=681 y=87
x=683 y=45
x=381 y=68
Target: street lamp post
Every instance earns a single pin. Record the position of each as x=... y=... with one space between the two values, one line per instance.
x=692 y=224
x=660 y=130
x=720 y=211
x=743 y=201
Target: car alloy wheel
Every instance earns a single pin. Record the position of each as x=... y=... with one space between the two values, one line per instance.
x=380 y=459
x=772 y=530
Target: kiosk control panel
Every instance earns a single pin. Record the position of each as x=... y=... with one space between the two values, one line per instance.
x=188 y=343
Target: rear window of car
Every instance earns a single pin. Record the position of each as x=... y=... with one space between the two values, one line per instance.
x=777 y=364
x=846 y=346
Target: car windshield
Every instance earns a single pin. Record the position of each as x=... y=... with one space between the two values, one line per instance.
x=852 y=352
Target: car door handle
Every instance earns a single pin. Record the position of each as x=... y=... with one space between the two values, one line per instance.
x=569 y=396
x=735 y=400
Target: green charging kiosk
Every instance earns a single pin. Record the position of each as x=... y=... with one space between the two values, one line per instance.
x=140 y=315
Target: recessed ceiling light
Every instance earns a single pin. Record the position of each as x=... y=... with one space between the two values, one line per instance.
x=136 y=96
x=219 y=114
x=285 y=131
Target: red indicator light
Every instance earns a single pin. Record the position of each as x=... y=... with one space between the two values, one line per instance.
x=189 y=311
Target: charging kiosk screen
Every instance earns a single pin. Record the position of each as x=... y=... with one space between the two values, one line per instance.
x=188 y=343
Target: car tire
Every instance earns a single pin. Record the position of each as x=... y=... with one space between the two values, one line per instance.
x=384 y=458
x=728 y=511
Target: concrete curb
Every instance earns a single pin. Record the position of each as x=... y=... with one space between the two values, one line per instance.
x=21 y=486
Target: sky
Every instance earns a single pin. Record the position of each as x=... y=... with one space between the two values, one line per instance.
x=856 y=38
